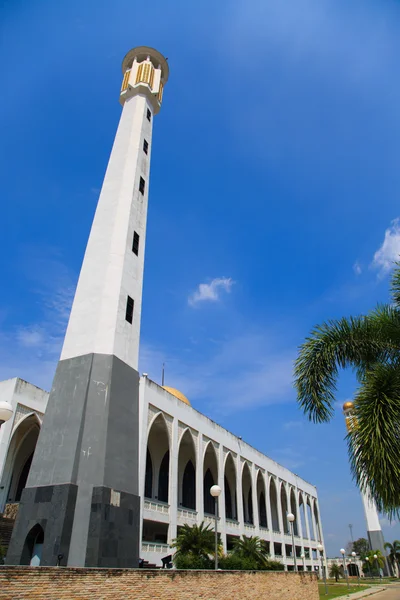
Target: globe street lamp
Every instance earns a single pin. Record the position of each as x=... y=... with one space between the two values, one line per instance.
x=358 y=570
x=291 y=519
x=376 y=564
x=343 y=552
x=320 y=548
x=6 y=411
x=215 y=492
x=303 y=558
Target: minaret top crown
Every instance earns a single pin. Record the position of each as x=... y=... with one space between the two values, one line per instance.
x=145 y=72
x=142 y=53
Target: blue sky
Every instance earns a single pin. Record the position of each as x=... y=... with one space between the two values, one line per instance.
x=274 y=196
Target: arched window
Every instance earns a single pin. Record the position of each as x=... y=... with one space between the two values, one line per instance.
x=209 y=501
x=210 y=470
x=156 y=480
x=148 y=483
x=189 y=486
x=293 y=510
x=285 y=511
x=230 y=488
x=247 y=495
x=187 y=471
x=32 y=550
x=262 y=507
x=317 y=524
x=310 y=519
x=163 y=478
x=302 y=515
x=273 y=496
x=19 y=457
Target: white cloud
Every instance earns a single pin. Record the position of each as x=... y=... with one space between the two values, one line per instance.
x=293 y=424
x=389 y=251
x=385 y=522
x=211 y=291
x=357 y=268
x=30 y=336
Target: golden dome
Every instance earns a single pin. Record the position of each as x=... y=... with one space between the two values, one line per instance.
x=348 y=405
x=177 y=394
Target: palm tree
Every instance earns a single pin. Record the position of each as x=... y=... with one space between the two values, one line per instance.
x=370 y=345
x=251 y=548
x=371 y=562
x=197 y=541
x=335 y=571
x=394 y=554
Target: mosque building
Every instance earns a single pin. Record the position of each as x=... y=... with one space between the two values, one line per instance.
x=105 y=469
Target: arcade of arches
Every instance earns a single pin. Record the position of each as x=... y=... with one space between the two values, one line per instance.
x=265 y=500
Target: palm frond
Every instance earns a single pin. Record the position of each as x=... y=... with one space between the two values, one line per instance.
x=395 y=285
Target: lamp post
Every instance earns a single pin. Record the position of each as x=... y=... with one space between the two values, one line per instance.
x=320 y=549
x=343 y=552
x=358 y=570
x=369 y=565
x=303 y=558
x=215 y=492
x=6 y=411
x=376 y=564
x=291 y=518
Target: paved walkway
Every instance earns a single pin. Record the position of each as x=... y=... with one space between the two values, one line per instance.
x=392 y=592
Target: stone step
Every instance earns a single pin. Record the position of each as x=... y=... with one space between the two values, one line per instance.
x=6 y=528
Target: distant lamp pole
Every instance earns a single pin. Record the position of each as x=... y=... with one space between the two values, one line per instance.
x=303 y=558
x=356 y=566
x=291 y=518
x=369 y=565
x=320 y=549
x=343 y=552
x=215 y=492
x=6 y=412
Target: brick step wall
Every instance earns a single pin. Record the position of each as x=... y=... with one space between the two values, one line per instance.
x=66 y=583
x=6 y=528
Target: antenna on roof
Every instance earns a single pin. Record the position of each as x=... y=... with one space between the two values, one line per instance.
x=163 y=373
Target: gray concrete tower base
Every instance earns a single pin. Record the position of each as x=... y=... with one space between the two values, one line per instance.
x=377 y=542
x=82 y=490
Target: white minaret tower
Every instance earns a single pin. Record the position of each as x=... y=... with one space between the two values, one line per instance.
x=374 y=530
x=82 y=501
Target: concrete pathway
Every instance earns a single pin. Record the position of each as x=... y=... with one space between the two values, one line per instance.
x=391 y=592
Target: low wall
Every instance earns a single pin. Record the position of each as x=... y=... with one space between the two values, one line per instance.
x=64 y=583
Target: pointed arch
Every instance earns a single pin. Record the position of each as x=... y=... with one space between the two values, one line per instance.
x=32 y=549
x=19 y=457
x=317 y=523
x=302 y=515
x=284 y=507
x=310 y=518
x=187 y=471
x=156 y=480
x=210 y=477
x=261 y=500
x=230 y=488
x=273 y=498
x=293 y=510
x=247 y=491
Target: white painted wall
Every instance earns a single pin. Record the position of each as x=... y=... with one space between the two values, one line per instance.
x=179 y=417
x=110 y=270
x=25 y=399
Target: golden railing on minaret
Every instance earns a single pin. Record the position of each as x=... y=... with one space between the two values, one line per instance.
x=125 y=80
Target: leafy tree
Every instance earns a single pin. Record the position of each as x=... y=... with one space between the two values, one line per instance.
x=394 y=554
x=253 y=549
x=236 y=562
x=370 y=345
x=361 y=547
x=335 y=571
x=196 y=541
x=189 y=561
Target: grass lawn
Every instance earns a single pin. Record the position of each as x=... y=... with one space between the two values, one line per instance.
x=337 y=589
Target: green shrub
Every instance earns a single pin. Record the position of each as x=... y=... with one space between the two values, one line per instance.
x=236 y=562
x=189 y=561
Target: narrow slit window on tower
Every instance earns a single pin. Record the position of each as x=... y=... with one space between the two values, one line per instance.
x=148 y=114
x=141 y=185
x=135 y=245
x=145 y=146
x=129 y=309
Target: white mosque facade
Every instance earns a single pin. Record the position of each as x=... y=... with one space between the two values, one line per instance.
x=138 y=445
x=182 y=453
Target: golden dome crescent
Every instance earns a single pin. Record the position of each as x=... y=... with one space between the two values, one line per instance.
x=347 y=405
x=177 y=394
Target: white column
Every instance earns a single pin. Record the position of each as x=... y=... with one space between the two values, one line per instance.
x=199 y=479
x=313 y=520
x=268 y=502
x=173 y=482
x=239 y=494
